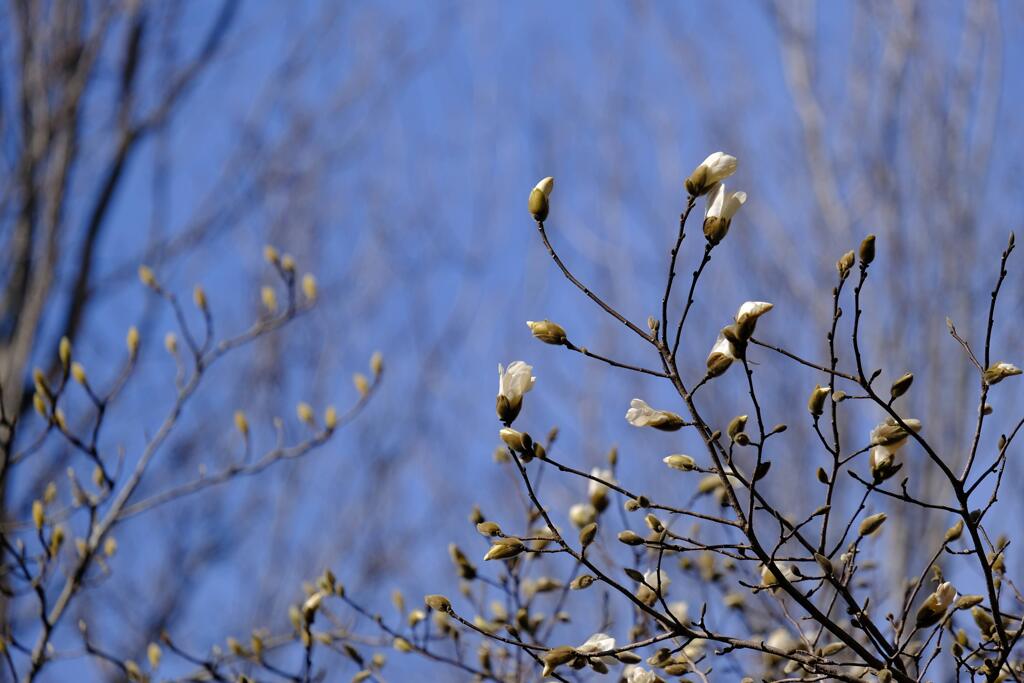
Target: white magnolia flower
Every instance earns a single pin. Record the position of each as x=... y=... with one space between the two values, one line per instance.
x=892 y=435
x=715 y=168
x=582 y=514
x=781 y=639
x=883 y=458
x=723 y=353
x=599 y=642
x=642 y=415
x=638 y=674
x=680 y=610
x=752 y=310
x=596 y=488
x=719 y=166
x=723 y=204
x=515 y=381
x=945 y=594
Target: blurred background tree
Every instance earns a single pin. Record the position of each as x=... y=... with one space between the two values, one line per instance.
x=388 y=147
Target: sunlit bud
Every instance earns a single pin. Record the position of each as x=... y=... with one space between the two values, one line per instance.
x=40 y=382
x=555 y=658
x=331 y=418
x=466 y=569
x=582 y=514
x=288 y=263
x=153 y=654
x=867 y=250
x=402 y=645
x=376 y=363
x=587 y=534
x=716 y=167
x=415 y=617
x=78 y=372
x=721 y=207
x=872 y=524
x=723 y=353
x=146 y=276
x=132 y=341
x=884 y=676
x=199 y=297
x=133 y=671
x=97 y=477
x=361 y=384
x=517 y=441
x=489 y=528
x=59 y=419
x=747 y=315
x=708 y=484
x=38 y=516
x=1000 y=371
x=269 y=298
x=309 y=286
x=110 y=546
x=935 y=605
x=305 y=413
x=969 y=601
x=241 y=423
x=271 y=255
x=504 y=549
x=312 y=604
x=653 y=324
x=954 y=532
x=983 y=620
x=630 y=538
x=57 y=539
x=438 y=603
x=736 y=426
x=653 y=523
x=642 y=415
x=50 y=493
x=513 y=383
x=171 y=343
x=64 y=351
x=683 y=463
x=582 y=582
x=891 y=434
x=539 y=198
x=547 y=331
x=39 y=404
x=900 y=386
x=844 y=264
x=816 y=403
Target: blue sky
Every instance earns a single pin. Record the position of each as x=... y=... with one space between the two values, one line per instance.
x=395 y=157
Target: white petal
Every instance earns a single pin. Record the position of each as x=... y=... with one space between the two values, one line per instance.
x=599 y=642
x=724 y=347
x=753 y=309
x=720 y=165
x=715 y=201
x=546 y=185
x=731 y=203
x=639 y=413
